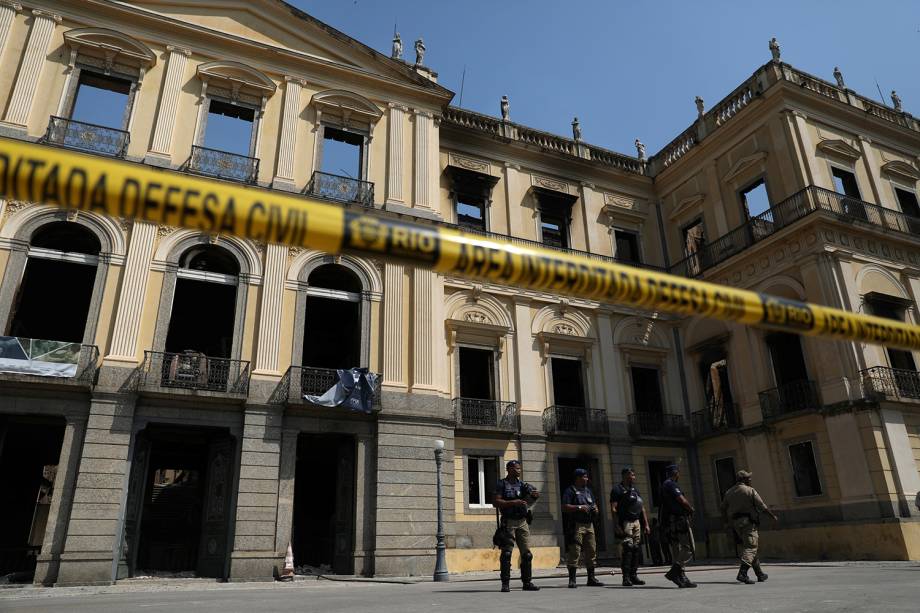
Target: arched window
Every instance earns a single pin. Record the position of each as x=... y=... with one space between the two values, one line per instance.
x=204 y=304
x=332 y=334
x=53 y=299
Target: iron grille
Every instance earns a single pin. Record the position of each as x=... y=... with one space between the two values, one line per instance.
x=713 y=420
x=881 y=382
x=316 y=382
x=559 y=419
x=488 y=414
x=341 y=189
x=658 y=425
x=789 y=398
x=223 y=165
x=87 y=137
x=191 y=370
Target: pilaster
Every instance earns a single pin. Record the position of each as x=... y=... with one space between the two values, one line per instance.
x=422 y=167
x=393 y=333
x=284 y=175
x=872 y=168
x=169 y=101
x=395 y=152
x=33 y=60
x=270 y=313
x=133 y=292
x=425 y=322
x=8 y=11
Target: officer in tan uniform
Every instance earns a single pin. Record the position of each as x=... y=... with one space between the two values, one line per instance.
x=579 y=501
x=741 y=509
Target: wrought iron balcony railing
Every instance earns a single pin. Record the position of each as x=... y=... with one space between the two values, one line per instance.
x=194 y=371
x=479 y=414
x=643 y=425
x=799 y=205
x=789 y=398
x=713 y=420
x=302 y=380
x=48 y=361
x=559 y=419
x=87 y=137
x=883 y=383
x=223 y=165
x=341 y=189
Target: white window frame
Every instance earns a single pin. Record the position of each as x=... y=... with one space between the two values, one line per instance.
x=484 y=493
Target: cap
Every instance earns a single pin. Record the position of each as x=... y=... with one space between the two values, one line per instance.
x=580 y=472
x=670 y=469
x=626 y=470
x=743 y=474
x=511 y=463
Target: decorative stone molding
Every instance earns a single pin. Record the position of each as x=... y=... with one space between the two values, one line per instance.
x=347 y=107
x=618 y=207
x=237 y=77
x=742 y=165
x=112 y=46
x=469 y=163
x=687 y=204
x=838 y=148
x=33 y=60
x=903 y=171
x=550 y=183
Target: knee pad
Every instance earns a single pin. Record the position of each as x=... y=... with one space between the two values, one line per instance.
x=505 y=556
x=528 y=556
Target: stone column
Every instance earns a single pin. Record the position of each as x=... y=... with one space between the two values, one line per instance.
x=365 y=502
x=395 y=153
x=284 y=175
x=270 y=315
x=422 y=166
x=286 y=476
x=8 y=12
x=61 y=499
x=133 y=291
x=425 y=328
x=33 y=60
x=393 y=333
x=513 y=202
x=169 y=101
x=93 y=539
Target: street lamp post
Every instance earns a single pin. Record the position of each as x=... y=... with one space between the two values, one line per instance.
x=440 y=567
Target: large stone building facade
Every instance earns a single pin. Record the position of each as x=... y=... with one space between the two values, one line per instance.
x=152 y=413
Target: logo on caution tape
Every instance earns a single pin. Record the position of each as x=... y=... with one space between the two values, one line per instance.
x=390 y=237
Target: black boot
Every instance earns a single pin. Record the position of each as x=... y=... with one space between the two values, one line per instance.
x=634 y=568
x=743 y=575
x=625 y=569
x=572 y=571
x=686 y=580
x=504 y=561
x=675 y=575
x=592 y=582
x=761 y=576
x=527 y=573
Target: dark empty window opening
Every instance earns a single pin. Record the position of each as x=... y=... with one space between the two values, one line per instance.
x=627 y=245
x=568 y=382
x=845 y=183
x=229 y=127
x=646 y=384
x=725 y=475
x=804 y=470
x=29 y=462
x=207 y=258
x=101 y=100
x=471 y=212
x=910 y=207
x=657 y=474
x=554 y=229
x=694 y=237
x=714 y=376
x=62 y=271
x=755 y=199
x=477 y=373
x=787 y=358
x=332 y=330
x=893 y=308
x=343 y=153
x=481 y=475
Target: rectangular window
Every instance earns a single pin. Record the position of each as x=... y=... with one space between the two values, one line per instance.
x=910 y=207
x=477 y=373
x=481 y=475
x=554 y=230
x=845 y=183
x=229 y=127
x=755 y=199
x=657 y=476
x=899 y=359
x=568 y=383
x=101 y=100
x=725 y=475
x=471 y=212
x=804 y=470
x=646 y=390
x=343 y=153
x=787 y=358
x=627 y=245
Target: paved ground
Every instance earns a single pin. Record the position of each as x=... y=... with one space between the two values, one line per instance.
x=858 y=587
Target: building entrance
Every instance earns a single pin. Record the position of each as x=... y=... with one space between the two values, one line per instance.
x=179 y=499
x=324 y=503
x=29 y=455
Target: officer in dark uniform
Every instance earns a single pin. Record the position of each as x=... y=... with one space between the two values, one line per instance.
x=578 y=499
x=629 y=523
x=511 y=498
x=675 y=519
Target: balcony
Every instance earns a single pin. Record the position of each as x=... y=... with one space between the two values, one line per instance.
x=789 y=398
x=487 y=415
x=300 y=380
x=32 y=360
x=191 y=371
x=799 y=205
x=223 y=165
x=712 y=420
x=86 y=137
x=658 y=425
x=341 y=189
x=883 y=383
x=575 y=421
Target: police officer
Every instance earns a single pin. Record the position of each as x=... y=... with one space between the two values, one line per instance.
x=511 y=498
x=629 y=522
x=675 y=519
x=741 y=509
x=578 y=499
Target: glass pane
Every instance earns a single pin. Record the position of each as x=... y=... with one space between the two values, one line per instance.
x=229 y=128
x=804 y=469
x=472 y=477
x=101 y=100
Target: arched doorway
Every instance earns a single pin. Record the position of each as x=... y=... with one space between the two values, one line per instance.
x=332 y=330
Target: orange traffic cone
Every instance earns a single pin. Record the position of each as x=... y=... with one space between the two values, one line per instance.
x=287 y=573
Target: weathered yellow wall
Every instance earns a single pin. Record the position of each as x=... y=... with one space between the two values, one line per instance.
x=469 y=560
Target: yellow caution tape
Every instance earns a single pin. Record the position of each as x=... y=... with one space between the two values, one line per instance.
x=51 y=175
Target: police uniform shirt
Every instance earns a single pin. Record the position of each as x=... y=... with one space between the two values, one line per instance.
x=511 y=490
x=670 y=492
x=741 y=498
x=629 y=502
x=577 y=497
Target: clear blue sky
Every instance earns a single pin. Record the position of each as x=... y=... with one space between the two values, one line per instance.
x=632 y=69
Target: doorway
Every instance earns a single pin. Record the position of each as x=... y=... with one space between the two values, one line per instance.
x=324 y=503
x=567 y=468
x=29 y=453
x=179 y=502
